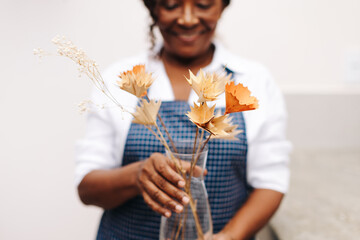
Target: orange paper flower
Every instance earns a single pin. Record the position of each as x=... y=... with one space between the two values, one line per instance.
x=136 y=81
x=238 y=98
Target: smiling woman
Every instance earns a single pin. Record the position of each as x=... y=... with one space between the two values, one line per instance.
x=121 y=166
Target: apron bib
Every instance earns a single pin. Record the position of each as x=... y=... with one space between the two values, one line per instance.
x=225 y=182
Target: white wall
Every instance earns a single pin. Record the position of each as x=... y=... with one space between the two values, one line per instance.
x=302 y=42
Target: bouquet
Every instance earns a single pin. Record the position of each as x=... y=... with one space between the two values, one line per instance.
x=207 y=86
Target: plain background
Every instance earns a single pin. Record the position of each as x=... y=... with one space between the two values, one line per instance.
x=308 y=45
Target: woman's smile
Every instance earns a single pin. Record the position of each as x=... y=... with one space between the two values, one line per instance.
x=188 y=37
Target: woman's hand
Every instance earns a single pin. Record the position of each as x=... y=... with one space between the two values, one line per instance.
x=222 y=236
x=160 y=185
x=252 y=216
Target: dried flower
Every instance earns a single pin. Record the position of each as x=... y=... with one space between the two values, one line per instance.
x=238 y=98
x=88 y=105
x=208 y=86
x=84 y=106
x=67 y=49
x=147 y=112
x=85 y=64
x=222 y=127
x=39 y=52
x=201 y=115
x=136 y=81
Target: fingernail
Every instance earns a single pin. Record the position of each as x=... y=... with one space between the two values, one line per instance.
x=167 y=214
x=181 y=183
x=185 y=200
x=179 y=208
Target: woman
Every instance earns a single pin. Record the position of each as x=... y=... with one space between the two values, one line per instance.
x=118 y=171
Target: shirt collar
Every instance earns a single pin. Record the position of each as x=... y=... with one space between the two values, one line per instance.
x=161 y=89
x=222 y=59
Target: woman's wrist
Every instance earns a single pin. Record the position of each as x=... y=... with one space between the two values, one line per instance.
x=109 y=188
x=131 y=175
x=254 y=214
x=224 y=235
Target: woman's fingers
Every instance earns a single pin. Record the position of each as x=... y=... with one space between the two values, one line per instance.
x=170 y=189
x=161 y=184
x=158 y=188
x=155 y=206
x=197 y=172
x=158 y=196
x=164 y=168
x=186 y=166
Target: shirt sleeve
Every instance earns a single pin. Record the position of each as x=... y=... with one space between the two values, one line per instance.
x=106 y=127
x=96 y=149
x=268 y=148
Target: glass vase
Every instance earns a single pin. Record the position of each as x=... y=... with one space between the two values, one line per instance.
x=194 y=222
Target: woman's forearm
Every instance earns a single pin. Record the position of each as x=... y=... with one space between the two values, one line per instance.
x=254 y=214
x=109 y=188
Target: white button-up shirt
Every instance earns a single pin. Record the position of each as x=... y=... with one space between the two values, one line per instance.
x=268 y=150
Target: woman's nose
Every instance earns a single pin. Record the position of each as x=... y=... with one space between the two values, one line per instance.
x=188 y=17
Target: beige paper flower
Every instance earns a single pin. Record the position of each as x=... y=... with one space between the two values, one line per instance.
x=222 y=127
x=146 y=113
x=208 y=86
x=201 y=115
x=136 y=81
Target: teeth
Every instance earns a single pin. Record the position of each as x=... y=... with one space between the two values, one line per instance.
x=188 y=35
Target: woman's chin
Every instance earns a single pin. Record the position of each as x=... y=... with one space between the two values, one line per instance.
x=189 y=52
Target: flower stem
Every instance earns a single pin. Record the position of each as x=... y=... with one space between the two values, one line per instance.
x=165 y=128
x=154 y=133
x=196 y=217
x=196 y=137
x=202 y=149
x=188 y=182
x=179 y=228
x=177 y=221
x=167 y=133
x=184 y=227
x=177 y=165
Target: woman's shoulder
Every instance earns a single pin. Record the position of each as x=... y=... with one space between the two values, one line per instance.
x=253 y=75
x=243 y=66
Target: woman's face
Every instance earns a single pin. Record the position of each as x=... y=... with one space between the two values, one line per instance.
x=188 y=26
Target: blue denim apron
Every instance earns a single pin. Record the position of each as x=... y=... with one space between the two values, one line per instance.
x=225 y=182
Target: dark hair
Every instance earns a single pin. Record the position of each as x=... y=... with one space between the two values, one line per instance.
x=151 y=4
